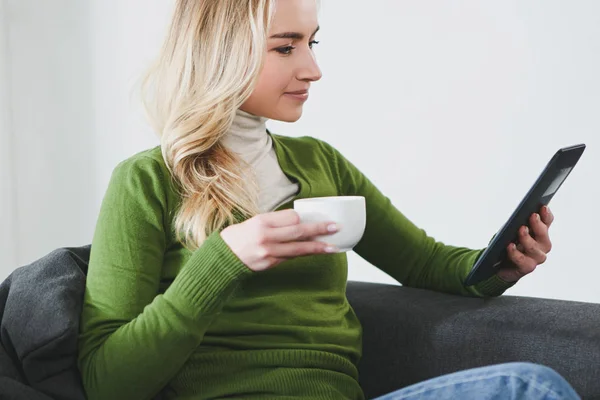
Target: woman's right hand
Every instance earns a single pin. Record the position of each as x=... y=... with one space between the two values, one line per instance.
x=268 y=239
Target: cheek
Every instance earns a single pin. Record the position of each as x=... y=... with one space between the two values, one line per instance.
x=273 y=80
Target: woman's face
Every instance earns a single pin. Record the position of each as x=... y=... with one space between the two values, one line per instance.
x=290 y=64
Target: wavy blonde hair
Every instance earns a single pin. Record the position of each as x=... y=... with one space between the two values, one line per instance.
x=208 y=66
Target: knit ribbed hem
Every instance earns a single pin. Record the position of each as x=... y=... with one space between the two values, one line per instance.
x=303 y=373
x=493 y=286
x=210 y=275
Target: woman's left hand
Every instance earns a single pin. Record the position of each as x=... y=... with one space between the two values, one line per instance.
x=529 y=253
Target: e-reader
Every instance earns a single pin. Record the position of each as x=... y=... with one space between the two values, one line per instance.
x=539 y=195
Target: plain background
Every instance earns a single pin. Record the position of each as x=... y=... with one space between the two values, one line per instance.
x=451 y=108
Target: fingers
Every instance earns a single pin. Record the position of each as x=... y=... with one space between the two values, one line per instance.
x=531 y=247
x=523 y=264
x=547 y=216
x=279 y=218
x=285 y=226
x=540 y=232
x=281 y=236
x=300 y=232
x=296 y=249
x=528 y=254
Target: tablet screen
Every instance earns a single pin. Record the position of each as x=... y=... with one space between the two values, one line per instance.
x=560 y=178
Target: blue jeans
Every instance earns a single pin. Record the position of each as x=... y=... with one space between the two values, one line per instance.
x=515 y=380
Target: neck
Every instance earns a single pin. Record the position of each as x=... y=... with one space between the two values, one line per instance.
x=248 y=132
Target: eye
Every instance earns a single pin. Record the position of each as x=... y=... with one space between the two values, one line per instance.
x=285 y=50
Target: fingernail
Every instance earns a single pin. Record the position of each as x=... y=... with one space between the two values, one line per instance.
x=526 y=230
x=332 y=228
x=331 y=249
x=537 y=216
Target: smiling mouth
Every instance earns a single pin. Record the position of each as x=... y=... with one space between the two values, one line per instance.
x=298 y=95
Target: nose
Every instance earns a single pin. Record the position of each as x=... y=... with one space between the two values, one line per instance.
x=309 y=69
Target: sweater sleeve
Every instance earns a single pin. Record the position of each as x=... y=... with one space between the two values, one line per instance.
x=392 y=243
x=132 y=339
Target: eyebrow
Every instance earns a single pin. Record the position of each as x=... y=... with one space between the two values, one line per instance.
x=292 y=35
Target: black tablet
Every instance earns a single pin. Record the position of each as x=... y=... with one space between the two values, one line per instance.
x=540 y=194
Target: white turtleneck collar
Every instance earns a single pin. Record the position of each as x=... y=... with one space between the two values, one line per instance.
x=247 y=134
x=249 y=139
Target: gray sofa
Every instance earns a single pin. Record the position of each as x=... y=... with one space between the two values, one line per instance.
x=409 y=335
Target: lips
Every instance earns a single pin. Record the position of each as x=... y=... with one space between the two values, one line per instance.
x=298 y=92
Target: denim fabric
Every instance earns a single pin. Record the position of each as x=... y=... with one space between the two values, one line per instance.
x=515 y=380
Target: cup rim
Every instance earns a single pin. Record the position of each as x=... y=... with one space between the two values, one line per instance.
x=329 y=198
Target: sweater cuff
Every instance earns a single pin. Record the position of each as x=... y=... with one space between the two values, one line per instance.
x=493 y=286
x=208 y=278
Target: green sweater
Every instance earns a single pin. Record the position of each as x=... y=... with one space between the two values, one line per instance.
x=201 y=324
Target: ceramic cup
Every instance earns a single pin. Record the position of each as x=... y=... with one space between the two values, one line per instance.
x=348 y=212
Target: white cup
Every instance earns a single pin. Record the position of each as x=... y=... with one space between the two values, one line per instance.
x=348 y=212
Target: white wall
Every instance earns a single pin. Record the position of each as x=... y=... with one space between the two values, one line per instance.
x=51 y=126
x=464 y=103
x=7 y=190
x=125 y=36
x=460 y=103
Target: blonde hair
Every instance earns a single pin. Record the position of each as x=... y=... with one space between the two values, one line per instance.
x=208 y=66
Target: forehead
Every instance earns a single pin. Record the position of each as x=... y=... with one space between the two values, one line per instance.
x=294 y=15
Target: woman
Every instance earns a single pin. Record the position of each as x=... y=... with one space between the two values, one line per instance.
x=203 y=283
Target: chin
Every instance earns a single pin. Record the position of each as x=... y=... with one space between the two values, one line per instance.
x=290 y=116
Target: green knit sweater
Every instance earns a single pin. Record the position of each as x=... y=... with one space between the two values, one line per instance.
x=198 y=325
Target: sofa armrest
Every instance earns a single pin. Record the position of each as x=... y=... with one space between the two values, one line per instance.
x=410 y=335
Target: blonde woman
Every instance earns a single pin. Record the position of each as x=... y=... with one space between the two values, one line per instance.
x=202 y=282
